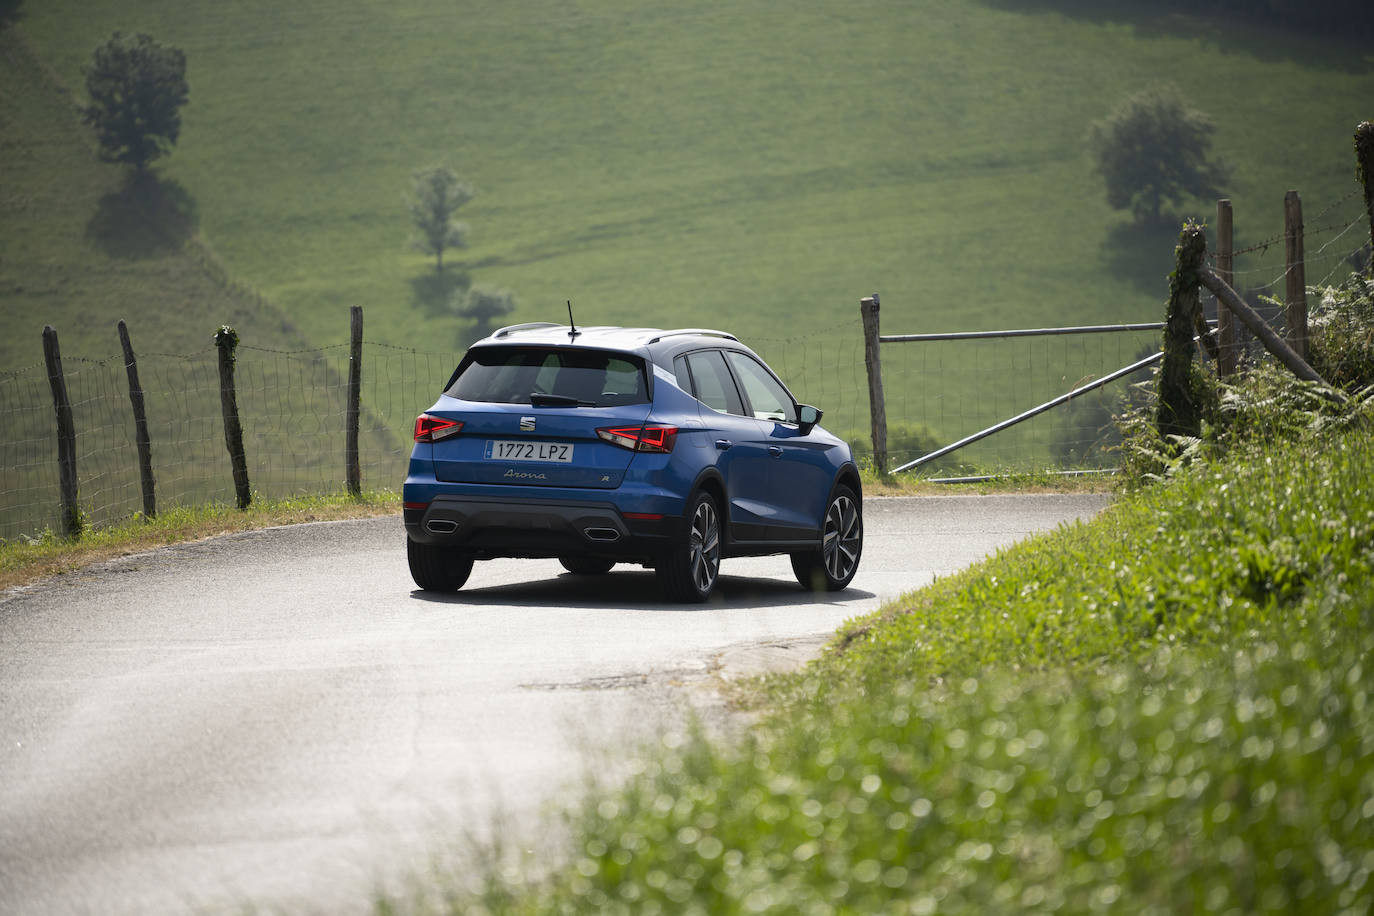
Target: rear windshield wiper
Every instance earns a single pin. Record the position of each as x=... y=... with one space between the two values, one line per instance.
x=538 y=399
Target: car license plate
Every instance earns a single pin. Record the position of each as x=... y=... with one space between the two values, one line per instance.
x=510 y=450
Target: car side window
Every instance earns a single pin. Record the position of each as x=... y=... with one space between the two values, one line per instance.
x=768 y=399
x=684 y=375
x=712 y=384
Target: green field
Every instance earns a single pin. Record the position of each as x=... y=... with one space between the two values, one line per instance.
x=743 y=165
x=693 y=163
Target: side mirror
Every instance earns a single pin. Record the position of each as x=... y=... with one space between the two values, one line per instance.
x=808 y=417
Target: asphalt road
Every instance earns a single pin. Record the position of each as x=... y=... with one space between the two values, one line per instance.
x=279 y=720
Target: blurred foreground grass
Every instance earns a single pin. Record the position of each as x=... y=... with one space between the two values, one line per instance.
x=1164 y=710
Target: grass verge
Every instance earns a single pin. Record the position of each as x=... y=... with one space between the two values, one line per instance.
x=875 y=484
x=27 y=560
x=1164 y=710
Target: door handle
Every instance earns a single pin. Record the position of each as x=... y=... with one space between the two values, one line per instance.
x=774 y=451
x=723 y=444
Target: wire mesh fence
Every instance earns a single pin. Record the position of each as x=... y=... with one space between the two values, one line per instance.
x=824 y=369
x=293 y=403
x=292 y=406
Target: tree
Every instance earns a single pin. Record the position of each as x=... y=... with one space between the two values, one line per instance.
x=438 y=195
x=1152 y=149
x=136 y=87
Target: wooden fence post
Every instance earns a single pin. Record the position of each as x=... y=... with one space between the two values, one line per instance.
x=868 y=309
x=1364 y=171
x=1226 y=321
x=1177 y=413
x=66 y=435
x=355 y=377
x=227 y=339
x=1271 y=340
x=1295 y=297
x=145 y=447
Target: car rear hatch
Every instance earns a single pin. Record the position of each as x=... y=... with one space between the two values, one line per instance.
x=530 y=417
x=550 y=447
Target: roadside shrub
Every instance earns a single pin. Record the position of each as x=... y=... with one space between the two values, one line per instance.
x=1265 y=402
x=1341 y=333
x=1145 y=453
x=905 y=442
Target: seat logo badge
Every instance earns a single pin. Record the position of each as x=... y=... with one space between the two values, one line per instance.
x=527 y=424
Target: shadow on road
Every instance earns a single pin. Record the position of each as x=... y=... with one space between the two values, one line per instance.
x=639 y=591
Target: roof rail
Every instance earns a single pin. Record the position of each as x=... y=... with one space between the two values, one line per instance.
x=529 y=325
x=679 y=332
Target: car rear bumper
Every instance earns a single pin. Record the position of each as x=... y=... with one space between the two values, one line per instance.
x=496 y=527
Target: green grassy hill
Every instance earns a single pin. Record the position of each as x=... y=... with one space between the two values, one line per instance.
x=80 y=249
x=745 y=165
x=83 y=248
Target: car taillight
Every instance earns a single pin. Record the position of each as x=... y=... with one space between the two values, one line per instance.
x=646 y=438
x=432 y=429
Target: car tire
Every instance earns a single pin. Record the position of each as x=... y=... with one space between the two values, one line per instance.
x=586 y=566
x=436 y=568
x=833 y=566
x=689 y=572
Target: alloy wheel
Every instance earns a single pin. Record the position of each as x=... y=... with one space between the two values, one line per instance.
x=704 y=546
x=842 y=538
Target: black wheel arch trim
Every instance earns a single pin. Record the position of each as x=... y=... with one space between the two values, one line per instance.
x=848 y=476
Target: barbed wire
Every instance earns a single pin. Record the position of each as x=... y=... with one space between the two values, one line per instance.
x=1337 y=260
x=244 y=346
x=1308 y=231
x=7 y=374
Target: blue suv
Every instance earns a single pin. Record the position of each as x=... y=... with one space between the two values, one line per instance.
x=597 y=446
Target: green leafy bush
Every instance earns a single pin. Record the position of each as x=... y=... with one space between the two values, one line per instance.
x=1341 y=333
x=1265 y=402
x=1167 y=709
x=905 y=442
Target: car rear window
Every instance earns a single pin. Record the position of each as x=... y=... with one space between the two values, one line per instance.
x=550 y=377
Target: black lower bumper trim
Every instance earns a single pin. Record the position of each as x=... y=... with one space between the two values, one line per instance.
x=489 y=528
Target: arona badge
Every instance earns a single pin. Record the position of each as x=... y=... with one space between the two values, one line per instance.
x=523 y=475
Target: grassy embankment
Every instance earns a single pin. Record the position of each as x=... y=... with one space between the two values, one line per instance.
x=1164 y=710
x=690 y=164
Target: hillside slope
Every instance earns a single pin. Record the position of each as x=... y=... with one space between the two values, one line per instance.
x=656 y=162
x=700 y=164
x=83 y=246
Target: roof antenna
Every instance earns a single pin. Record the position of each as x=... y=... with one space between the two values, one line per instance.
x=572 y=328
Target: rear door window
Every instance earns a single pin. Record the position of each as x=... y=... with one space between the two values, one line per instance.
x=548 y=376
x=712 y=384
